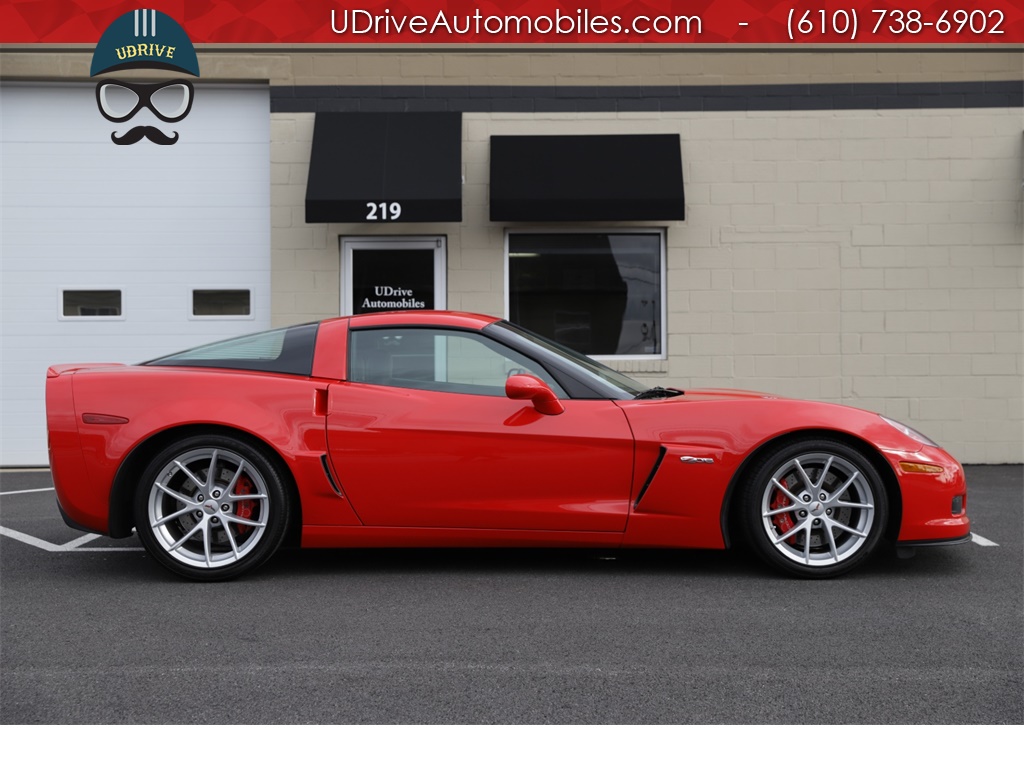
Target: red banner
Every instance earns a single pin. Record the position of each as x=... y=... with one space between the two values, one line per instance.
x=559 y=22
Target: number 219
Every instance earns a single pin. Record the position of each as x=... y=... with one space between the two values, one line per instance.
x=383 y=211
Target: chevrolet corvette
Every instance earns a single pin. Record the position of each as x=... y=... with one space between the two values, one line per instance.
x=446 y=429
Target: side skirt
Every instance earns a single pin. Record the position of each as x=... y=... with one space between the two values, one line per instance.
x=333 y=536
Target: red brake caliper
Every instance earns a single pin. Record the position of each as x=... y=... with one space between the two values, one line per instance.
x=245 y=507
x=784 y=520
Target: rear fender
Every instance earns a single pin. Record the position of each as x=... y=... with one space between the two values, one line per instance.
x=278 y=412
x=79 y=497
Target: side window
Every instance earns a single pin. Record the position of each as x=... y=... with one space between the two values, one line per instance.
x=441 y=360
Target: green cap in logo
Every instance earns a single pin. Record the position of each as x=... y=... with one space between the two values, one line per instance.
x=144 y=39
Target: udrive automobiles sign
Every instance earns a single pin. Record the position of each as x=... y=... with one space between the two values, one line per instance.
x=560 y=22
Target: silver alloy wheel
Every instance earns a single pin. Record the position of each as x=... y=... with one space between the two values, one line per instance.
x=208 y=508
x=818 y=509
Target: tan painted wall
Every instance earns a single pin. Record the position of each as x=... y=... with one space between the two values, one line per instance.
x=874 y=259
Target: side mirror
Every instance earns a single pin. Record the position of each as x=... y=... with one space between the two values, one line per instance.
x=523 y=386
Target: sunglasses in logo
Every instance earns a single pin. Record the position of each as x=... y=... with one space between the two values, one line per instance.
x=170 y=100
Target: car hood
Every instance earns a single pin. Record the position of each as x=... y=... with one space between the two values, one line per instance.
x=736 y=420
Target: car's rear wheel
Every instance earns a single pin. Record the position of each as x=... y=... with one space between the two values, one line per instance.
x=814 y=508
x=212 y=507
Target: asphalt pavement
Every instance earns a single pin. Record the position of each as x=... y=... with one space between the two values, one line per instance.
x=92 y=631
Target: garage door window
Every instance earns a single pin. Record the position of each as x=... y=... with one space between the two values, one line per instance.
x=221 y=303
x=90 y=303
x=600 y=293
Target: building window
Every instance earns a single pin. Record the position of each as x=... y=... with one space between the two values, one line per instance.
x=90 y=303
x=223 y=303
x=598 y=293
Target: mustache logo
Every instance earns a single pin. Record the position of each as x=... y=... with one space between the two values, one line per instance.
x=140 y=132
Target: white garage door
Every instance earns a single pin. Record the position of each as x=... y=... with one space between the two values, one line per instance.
x=123 y=253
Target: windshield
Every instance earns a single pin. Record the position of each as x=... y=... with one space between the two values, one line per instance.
x=615 y=384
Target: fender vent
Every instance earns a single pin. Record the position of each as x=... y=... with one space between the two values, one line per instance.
x=329 y=476
x=650 y=478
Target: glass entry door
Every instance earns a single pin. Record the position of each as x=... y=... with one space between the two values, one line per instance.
x=384 y=274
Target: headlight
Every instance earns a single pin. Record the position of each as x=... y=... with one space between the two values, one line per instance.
x=910 y=432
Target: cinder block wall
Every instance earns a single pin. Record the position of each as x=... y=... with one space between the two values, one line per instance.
x=868 y=258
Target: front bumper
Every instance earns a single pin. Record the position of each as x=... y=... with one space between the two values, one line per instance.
x=934 y=503
x=935 y=542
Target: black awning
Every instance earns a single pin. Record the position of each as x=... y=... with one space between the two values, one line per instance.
x=385 y=167
x=587 y=178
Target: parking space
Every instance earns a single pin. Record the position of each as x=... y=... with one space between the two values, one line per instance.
x=92 y=631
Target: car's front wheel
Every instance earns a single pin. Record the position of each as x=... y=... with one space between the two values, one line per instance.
x=211 y=507
x=814 y=508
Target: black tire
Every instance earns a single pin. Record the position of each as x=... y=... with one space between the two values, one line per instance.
x=826 y=495
x=212 y=526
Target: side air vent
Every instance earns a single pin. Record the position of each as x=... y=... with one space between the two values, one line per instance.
x=330 y=477
x=650 y=477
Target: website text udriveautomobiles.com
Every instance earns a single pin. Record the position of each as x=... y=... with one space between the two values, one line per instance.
x=476 y=24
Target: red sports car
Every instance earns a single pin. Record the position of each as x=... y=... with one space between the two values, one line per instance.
x=447 y=429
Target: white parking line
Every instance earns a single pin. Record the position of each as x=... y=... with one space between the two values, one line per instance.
x=32 y=541
x=30 y=490
x=71 y=546
x=81 y=540
x=982 y=541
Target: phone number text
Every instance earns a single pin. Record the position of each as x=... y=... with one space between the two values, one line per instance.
x=968 y=24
